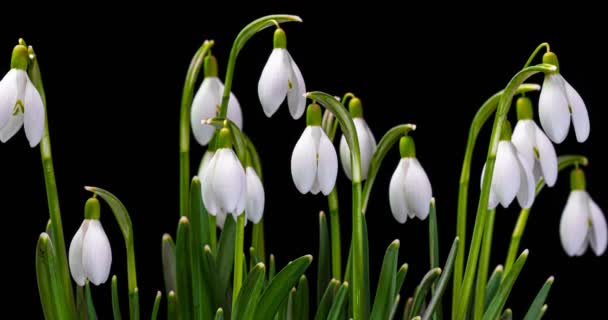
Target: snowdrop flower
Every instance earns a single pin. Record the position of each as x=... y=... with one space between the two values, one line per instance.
x=254 y=208
x=410 y=190
x=223 y=182
x=90 y=255
x=533 y=145
x=20 y=102
x=281 y=77
x=367 y=142
x=583 y=222
x=207 y=101
x=512 y=176
x=558 y=103
x=314 y=162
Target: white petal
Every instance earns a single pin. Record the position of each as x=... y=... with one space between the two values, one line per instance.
x=580 y=117
x=396 y=191
x=220 y=219
x=209 y=197
x=255 y=196
x=34 y=115
x=327 y=164
x=8 y=96
x=96 y=253
x=228 y=181
x=598 y=237
x=574 y=225
x=345 y=157
x=527 y=184
x=506 y=178
x=11 y=128
x=205 y=105
x=367 y=145
x=304 y=161
x=492 y=200
x=273 y=84
x=205 y=163
x=546 y=157
x=316 y=187
x=553 y=109
x=418 y=192
x=75 y=256
x=295 y=95
x=524 y=140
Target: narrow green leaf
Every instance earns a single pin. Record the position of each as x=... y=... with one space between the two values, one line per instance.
x=168 y=257
x=156 y=305
x=543 y=310
x=218 y=294
x=49 y=228
x=507 y=315
x=290 y=312
x=279 y=287
x=326 y=301
x=271 y=269
x=81 y=304
x=115 y=299
x=407 y=310
x=172 y=306
x=505 y=288
x=184 y=266
x=249 y=293
x=385 y=293
x=337 y=307
x=324 y=265
x=434 y=252
x=422 y=290
x=134 y=301
x=219 y=315
x=224 y=257
x=442 y=283
x=90 y=305
x=535 y=311
x=492 y=286
x=198 y=238
x=401 y=277
x=46 y=277
x=394 y=307
x=302 y=302
x=366 y=281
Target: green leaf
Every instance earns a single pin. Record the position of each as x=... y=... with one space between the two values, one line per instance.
x=156 y=305
x=543 y=310
x=81 y=304
x=394 y=307
x=134 y=301
x=324 y=265
x=271 y=269
x=492 y=286
x=115 y=299
x=337 y=307
x=401 y=277
x=184 y=266
x=171 y=306
x=407 y=310
x=219 y=315
x=434 y=252
x=422 y=290
x=224 y=257
x=326 y=301
x=198 y=238
x=249 y=293
x=279 y=287
x=218 y=294
x=505 y=288
x=302 y=302
x=535 y=312
x=168 y=257
x=90 y=305
x=442 y=283
x=46 y=278
x=507 y=315
x=385 y=293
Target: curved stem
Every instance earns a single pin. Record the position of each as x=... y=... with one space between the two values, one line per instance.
x=484 y=262
x=563 y=163
x=184 y=125
x=238 y=258
x=536 y=51
x=336 y=245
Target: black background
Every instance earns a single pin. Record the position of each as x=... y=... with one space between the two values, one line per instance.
x=113 y=79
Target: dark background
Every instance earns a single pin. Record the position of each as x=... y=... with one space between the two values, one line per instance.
x=113 y=79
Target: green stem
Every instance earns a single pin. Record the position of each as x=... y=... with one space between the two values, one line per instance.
x=57 y=239
x=482 y=115
x=484 y=261
x=503 y=108
x=336 y=246
x=535 y=52
x=184 y=126
x=238 y=258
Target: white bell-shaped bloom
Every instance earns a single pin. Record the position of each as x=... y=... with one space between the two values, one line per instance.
x=410 y=191
x=205 y=163
x=367 y=146
x=90 y=255
x=255 y=196
x=582 y=224
x=20 y=105
x=536 y=150
x=558 y=102
x=512 y=177
x=314 y=162
x=206 y=104
x=281 y=78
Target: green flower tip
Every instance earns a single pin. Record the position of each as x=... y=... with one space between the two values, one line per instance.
x=210 y=66
x=207 y=248
x=577 y=179
x=355 y=108
x=524 y=108
x=260 y=265
x=22 y=42
x=404 y=267
x=322 y=215
x=395 y=243
x=184 y=220
x=407 y=148
x=20 y=57
x=167 y=237
x=345 y=283
x=551 y=279
x=224 y=139
x=506 y=131
x=91 y=209
x=114 y=279
x=313 y=115
x=551 y=58
x=280 y=39
x=309 y=257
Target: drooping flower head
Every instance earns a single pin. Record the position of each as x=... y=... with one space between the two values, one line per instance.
x=281 y=78
x=558 y=103
x=314 y=162
x=410 y=191
x=367 y=142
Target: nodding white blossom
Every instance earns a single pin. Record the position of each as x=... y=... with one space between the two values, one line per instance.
x=583 y=223
x=410 y=190
x=314 y=162
x=367 y=142
x=281 y=78
x=20 y=102
x=558 y=103
x=90 y=255
x=255 y=196
x=207 y=101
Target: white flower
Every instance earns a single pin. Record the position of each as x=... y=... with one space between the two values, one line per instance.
x=512 y=177
x=205 y=163
x=582 y=224
x=367 y=146
x=281 y=78
x=536 y=150
x=410 y=191
x=20 y=105
x=90 y=255
x=314 y=162
x=206 y=104
x=223 y=184
x=255 y=196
